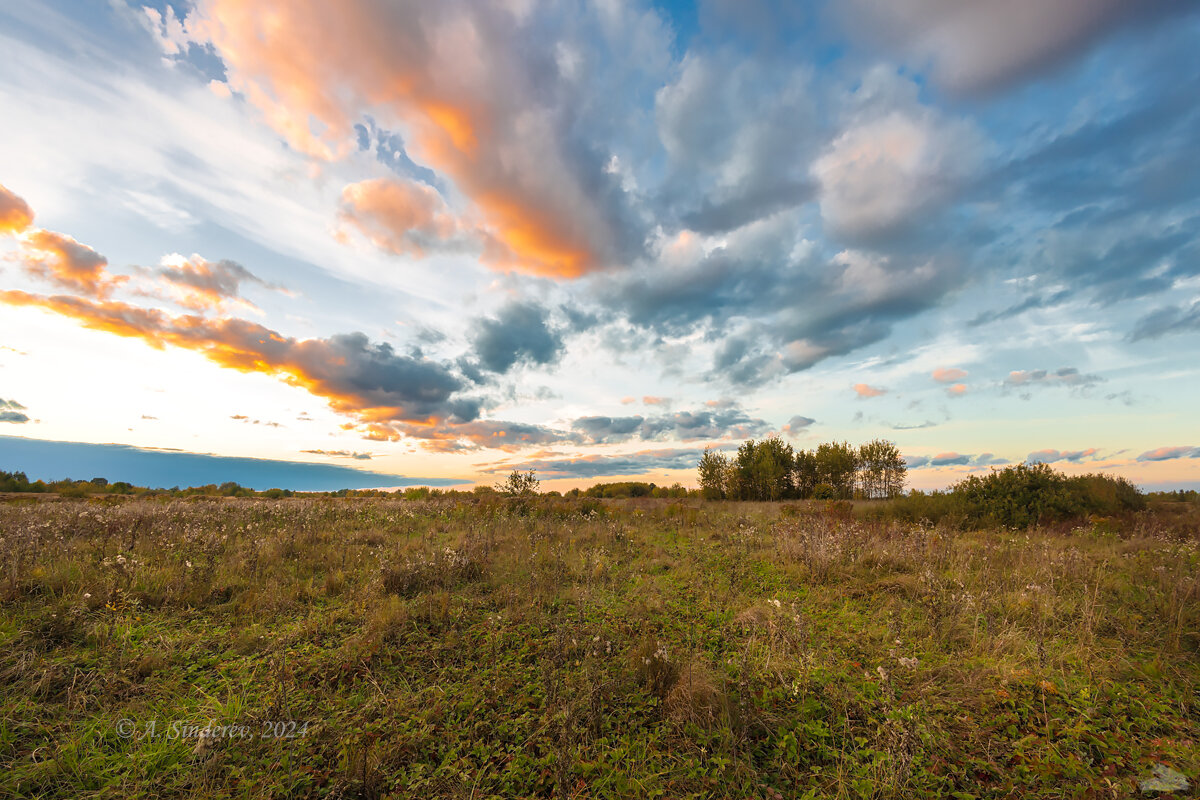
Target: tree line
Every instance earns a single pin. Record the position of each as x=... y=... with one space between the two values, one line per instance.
x=771 y=470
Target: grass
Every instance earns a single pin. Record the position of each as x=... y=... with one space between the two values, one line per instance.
x=481 y=647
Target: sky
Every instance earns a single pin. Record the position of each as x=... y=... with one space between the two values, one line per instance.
x=393 y=242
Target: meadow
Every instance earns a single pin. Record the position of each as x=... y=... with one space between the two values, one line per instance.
x=478 y=646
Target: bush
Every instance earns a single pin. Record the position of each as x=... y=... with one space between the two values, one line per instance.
x=1019 y=496
x=824 y=491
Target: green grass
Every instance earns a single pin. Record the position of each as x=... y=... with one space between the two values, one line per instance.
x=480 y=647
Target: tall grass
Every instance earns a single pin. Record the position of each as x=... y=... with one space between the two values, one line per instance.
x=493 y=647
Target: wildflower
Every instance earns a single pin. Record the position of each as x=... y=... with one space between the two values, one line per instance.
x=87 y=595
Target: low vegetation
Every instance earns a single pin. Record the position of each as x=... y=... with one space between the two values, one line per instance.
x=1018 y=497
x=519 y=645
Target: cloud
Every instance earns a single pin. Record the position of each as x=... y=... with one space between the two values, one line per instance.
x=949 y=375
x=1030 y=302
x=1064 y=376
x=880 y=175
x=58 y=258
x=797 y=424
x=404 y=217
x=916 y=427
x=488 y=94
x=953 y=459
x=895 y=160
x=369 y=381
x=773 y=300
x=340 y=454
x=462 y=436
x=203 y=285
x=518 y=334
x=651 y=400
x=722 y=421
x=980 y=47
x=864 y=390
x=15 y=214
x=595 y=466
x=1167 y=320
x=1170 y=453
x=10 y=411
x=248 y=421
x=1052 y=456
x=957 y=390
x=739 y=134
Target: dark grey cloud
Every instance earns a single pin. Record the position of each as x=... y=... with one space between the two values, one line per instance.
x=1029 y=303
x=739 y=134
x=600 y=465
x=608 y=429
x=1167 y=320
x=802 y=306
x=797 y=424
x=721 y=420
x=954 y=460
x=519 y=333
x=949 y=459
x=730 y=212
x=915 y=427
x=10 y=411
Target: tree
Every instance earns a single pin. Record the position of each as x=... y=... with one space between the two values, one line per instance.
x=881 y=469
x=837 y=465
x=520 y=483
x=714 y=469
x=804 y=473
x=773 y=462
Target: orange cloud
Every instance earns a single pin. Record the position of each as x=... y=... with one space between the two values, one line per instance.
x=944 y=375
x=60 y=259
x=368 y=381
x=403 y=217
x=449 y=75
x=15 y=214
x=957 y=389
x=864 y=390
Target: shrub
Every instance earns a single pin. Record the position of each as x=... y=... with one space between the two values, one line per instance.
x=1018 y=497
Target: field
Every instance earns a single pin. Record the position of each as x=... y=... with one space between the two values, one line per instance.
x=478 y=647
